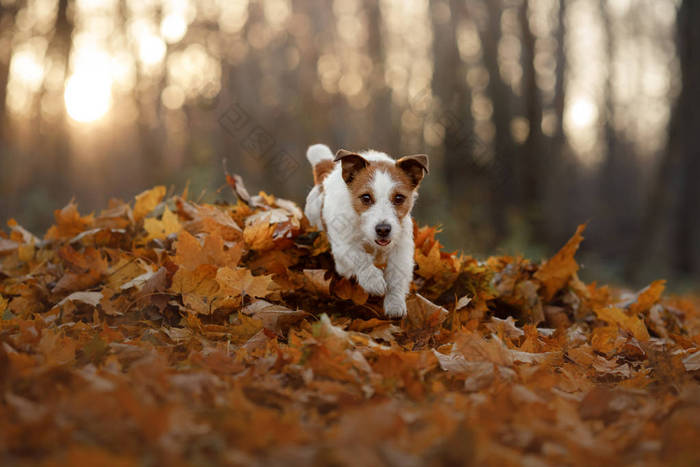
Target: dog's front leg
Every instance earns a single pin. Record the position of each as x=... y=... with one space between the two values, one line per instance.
x=398 y=275
x=353 y=262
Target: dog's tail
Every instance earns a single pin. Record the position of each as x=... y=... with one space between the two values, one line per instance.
x=321 y=159
x=318 y=153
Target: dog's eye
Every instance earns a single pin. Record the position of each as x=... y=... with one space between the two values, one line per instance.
x=366 y=199
x=399 y=199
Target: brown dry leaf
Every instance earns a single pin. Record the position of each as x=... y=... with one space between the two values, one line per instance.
x=117 y=216
x=7 y=246
x=89 y=298
x=190 y=253
x=125 y=270
x=423 y=314
x=236 y=183
x=68 y=223
x=691 y=362
x=346 y=290
x=147 y=201
x=430 y=264
x=56 y=348
x=240 y=281
x=632 y=324
x=162 y=351
x=214 y=221
x=556 y=272
x=648 y=297
x=85 y=269
x=21 y=235
x=274 y=317
x=259 y=236
x=317 y=281
x=606 y=339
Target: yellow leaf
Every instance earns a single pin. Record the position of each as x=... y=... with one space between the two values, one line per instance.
x=3 y=304
x=240 y=281
x=631 y=324
x=125 y=270
x=168 y=224
x=429 y=265
x=258 y=236
x=147 y=201
x=648 y=297
x=25 y=253
x=555 y=273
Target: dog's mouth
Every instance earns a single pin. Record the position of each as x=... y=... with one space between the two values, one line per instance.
x=382 y=241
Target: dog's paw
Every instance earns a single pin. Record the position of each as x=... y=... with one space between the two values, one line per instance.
x=343 y=269
x=372 y=280
x=394 y=306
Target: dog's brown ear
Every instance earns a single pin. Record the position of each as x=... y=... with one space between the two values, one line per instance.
x=351 y=163
x=415 y=166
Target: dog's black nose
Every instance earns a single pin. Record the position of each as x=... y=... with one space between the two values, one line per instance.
x=383 y=230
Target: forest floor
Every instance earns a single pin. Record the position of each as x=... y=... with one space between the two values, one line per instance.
x=168 y=332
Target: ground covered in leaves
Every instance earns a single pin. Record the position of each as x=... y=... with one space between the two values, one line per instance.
x=168 y=332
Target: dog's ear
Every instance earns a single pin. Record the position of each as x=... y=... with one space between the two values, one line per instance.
x=415 y=166
x=351 y=163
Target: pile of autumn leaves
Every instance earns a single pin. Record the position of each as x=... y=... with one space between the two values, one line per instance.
x=168 y=331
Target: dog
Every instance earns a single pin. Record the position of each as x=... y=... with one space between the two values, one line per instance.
x=363 y=201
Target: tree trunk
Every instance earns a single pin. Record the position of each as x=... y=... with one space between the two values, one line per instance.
x=501 y=173
x=55 y=168
x=7 y=20
x=384 y=133
x=560 y=87
x=533 y=165
x=687 y=235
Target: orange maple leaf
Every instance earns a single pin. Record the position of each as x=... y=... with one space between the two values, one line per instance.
x=556 y=272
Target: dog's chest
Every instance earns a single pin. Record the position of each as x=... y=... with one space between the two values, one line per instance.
x=380 y=256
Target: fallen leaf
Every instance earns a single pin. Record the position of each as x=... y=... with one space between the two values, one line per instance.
x=147 y=201
x=167 y=225
x=89 y=298
x=630 y=323
x=556 y=272
x=274 y=317
x=648 y=297
x=240 y=281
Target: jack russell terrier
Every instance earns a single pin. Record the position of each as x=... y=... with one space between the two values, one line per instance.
x=363 y=202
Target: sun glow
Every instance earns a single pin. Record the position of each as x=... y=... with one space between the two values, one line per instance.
x=88 y=96
x=582 y=113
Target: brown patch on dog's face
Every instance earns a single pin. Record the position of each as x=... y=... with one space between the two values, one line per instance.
x=402 y=195
x=351 y=162
x=382 y=194
x=363 y=196
x=361 y=190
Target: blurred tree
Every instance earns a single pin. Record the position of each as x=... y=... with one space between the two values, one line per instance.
x=55 y=132
x=686 y=139
x=7 y=20
x=384 y=130
x=533 y=164
x=449 y=85
x=501 y=174
x=671 y=209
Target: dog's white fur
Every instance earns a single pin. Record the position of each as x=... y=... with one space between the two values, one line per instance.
x=330 y=207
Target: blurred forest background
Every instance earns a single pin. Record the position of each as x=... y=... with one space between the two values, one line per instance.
x=537 y=114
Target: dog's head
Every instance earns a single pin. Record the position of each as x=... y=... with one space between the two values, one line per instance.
x=382 y=192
